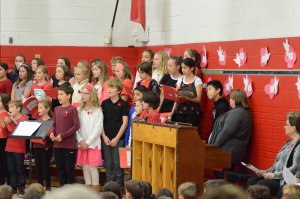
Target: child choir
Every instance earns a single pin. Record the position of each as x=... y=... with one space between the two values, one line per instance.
x=92 y=112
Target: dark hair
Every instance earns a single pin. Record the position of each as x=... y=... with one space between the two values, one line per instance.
x=113 y=187
x=189 y=63
x=4 y=66
x=194 y=54
x=226 y=192
x=259 y=192
x=67 y=61
x=145 y=67
x=95 y=60
x=294 y=120
x=135 y=188
x=28 y=77
x=108 y=195
x=67 y=72
x=164 y=192
x=141 y=88
x=5 y=98
x=152 y=99
x=151 y=53
x=67 y=89
x=178 y=61
x=147 y=190
x=217 y=85
x=39 y=61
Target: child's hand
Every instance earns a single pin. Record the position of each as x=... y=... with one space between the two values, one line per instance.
x=7 y=120
x=52 y=137
x=2 y=123
x=127 y=147
x=58 y=138
x=83 y=145
x=268 y=175
x=114 y=142
x=49 y=98
x=106 y=140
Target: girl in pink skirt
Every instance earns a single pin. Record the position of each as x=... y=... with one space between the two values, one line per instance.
x=88 y=136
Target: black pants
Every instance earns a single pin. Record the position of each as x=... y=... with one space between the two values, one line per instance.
x=15 y=164
x=42 y=158
x=3 y=163
x=112 y=163
x=186 y=118
x=65 y=165
x=273 y=185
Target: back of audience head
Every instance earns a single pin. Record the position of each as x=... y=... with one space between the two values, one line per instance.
x=238 y=97
x=74 y=191
x=258 y=192
x=34 y=191
x=164 y=193
x=291 y=189
x=147 y=190
x=134 y=189
x=6 y=192
x=213 y=184
x=226 y=192
x=113 y=187
x=217 y=85
x=188 y=190
x=109 y=195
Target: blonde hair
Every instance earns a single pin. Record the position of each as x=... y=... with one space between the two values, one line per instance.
x=240 y=98
x=94 y=97
x=163 y=59
x=291 y=189
x=44 y=69
x=47 y=104
x=16 y=103
x=115 y=83
x=85 y=70
x=188 y=190
x=116 y=59
x=104 y=74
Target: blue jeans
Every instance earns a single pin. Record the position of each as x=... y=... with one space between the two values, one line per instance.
x=112 y=163
x=15 y=164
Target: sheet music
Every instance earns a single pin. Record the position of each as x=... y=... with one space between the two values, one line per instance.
x=253 y=168
x=26 y=128
x=288 y=177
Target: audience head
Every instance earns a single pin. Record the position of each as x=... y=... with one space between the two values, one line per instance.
x=113 y=187
x=108 y=195
x=238 y=97
x=188 y=66
x=74 y=191
x=6 y=192
x=147 y=190
x=188 y=190
x=34 y=191
x=258 y=192
x=147 y=56
x=226 y=192
x=150 y=99
x=291 y=189
x=164 y=193
x=134 y=189
x=193 y=54
x=214 y=89
x=293 y=123
x=213 y=184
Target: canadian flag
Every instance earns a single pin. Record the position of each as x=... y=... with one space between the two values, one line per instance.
x=222 y=56
x=298 y=87
x=240 y=58
x=271 y=89
x=138 y=12
x=248 y=86
x=289 y=55
x=228 y=86
x=264 y=56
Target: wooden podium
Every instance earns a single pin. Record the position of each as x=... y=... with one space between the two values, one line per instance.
x=168 y=155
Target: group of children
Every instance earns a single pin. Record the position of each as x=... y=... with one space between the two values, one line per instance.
x=93 y=111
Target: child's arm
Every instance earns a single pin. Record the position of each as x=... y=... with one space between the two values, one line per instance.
x=105 y=139
x=161 y=96
x=196 y=99
x=116 y=139
x=97 y=130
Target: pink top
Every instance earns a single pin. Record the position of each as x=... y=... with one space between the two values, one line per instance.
x=102 y=91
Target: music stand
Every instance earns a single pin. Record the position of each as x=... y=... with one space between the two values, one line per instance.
x=40 y=133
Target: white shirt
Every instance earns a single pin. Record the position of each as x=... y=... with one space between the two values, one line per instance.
x=197 y=81
x=91 y=127
x=76 y=97
x=157 y=75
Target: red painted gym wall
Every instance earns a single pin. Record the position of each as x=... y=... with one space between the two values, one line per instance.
x=269 y=115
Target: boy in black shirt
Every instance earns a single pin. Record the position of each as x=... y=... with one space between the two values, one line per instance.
x=221 y=105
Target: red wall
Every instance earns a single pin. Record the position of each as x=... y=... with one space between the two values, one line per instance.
x=269 y=115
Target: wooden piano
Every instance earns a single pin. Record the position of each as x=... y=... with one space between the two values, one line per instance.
x=168 y=155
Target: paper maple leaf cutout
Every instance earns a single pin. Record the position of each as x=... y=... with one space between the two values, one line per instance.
x=289 y=55
x=240 y=58
x=264 y=56
x=248 y=85
x=271 y=89
x=228 y=86
x=222 y=56
x=203 y=63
